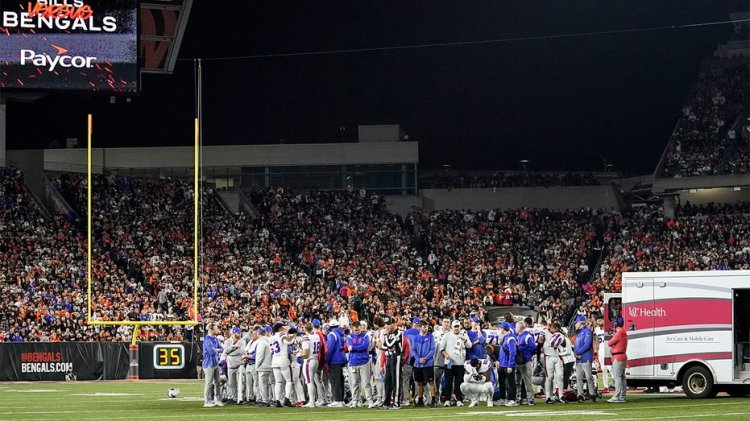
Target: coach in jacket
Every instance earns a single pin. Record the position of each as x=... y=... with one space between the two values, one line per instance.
x=507 y=373
x=478 y=340
x=336 y=360
x=423 y=350
x=358 y=344
x=584 y=351
x=211 y=350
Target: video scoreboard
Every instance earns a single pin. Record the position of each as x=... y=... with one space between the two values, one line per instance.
x=59 y=45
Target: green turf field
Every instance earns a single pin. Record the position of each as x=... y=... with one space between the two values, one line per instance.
x=148 y=400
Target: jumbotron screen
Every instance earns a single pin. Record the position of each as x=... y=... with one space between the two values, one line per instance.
x=83 y=45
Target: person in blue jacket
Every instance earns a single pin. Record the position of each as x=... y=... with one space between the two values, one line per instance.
x=478 y=340
x=336 y=360
x=584 y=351
x=423 y=350
x=358 y=344
x=507 y=377
x=211 y=350
x=527 y=348
x=407 y=371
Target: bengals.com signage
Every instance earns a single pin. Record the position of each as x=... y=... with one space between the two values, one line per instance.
x=88 y=45
x=34 y=361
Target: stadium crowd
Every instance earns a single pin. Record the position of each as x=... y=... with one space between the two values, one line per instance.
x=714 y=237
x=41 y=271
x=327 y=254
x=525 y=257
x=704 y=133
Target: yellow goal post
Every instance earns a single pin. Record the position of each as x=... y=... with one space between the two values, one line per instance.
x=196 y=196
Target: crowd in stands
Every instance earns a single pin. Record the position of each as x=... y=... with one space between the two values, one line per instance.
x=525 y=257
x=42 y=270
x=456 y=180
x=358 y=254
x=713 y=237
x=704 y=132
x=325 y=254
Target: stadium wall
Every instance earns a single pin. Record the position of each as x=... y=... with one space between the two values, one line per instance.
x=572 y=197
x=685 y=183
x=74 y=160
x=568 y=197
x=51 y=361
x=715 y=195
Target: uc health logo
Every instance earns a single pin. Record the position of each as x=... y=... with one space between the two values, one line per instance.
x=646 y=312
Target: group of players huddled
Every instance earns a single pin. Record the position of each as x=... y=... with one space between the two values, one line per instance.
x=342 y=364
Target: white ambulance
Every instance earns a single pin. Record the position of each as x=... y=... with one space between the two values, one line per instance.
x=688 y=328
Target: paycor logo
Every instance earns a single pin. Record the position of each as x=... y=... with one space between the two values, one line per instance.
x=645 y=312
x=60 y=60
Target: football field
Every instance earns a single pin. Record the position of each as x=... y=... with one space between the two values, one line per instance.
x=148 y=400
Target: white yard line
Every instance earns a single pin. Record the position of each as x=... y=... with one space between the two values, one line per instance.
x=428 y=413
x=681 y=416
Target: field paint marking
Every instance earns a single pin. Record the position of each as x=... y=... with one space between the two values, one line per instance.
x=620 y=407
x=207 y=414
x=185 y=399
x=682 y=416
x=106 y=394
x=32 y=390
x=543 y=413
x=531 y=413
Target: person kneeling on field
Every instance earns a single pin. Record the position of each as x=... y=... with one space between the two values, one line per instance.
x=477 y=383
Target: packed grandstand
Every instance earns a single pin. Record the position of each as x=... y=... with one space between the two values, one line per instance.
x=318 y=254
x=306 y=254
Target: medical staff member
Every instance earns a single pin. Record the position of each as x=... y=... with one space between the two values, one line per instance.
x=619 y=348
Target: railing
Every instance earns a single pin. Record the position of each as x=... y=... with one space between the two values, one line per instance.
x=223 y=203
x=247 y=204
x=736 y=126
x=43 y=209
x=592 y=276
x=55 y=197
x=659 y=171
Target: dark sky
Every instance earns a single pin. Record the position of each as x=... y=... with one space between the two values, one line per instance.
x=563 y=104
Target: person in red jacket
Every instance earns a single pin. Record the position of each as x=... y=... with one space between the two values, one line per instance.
x=619 y=347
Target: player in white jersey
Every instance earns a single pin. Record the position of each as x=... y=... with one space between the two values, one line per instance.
x=553 y=366
x=251 y=370
x=310 y=346
x=371 y=351
x=603 y=352
x=477 y=384
x=298 y=386
x=282 y=370
x=439 y=359
x=378 y=370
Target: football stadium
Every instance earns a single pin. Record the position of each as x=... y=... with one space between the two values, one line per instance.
x=333 y=210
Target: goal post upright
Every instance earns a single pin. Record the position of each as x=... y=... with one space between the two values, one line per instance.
x=196 y=196
x=89 y=212
x=89 y=128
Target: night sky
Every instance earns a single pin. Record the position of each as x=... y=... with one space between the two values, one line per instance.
x=562 y=103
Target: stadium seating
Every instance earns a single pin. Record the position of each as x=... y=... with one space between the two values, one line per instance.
x=703 y=135
x=325 y=254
